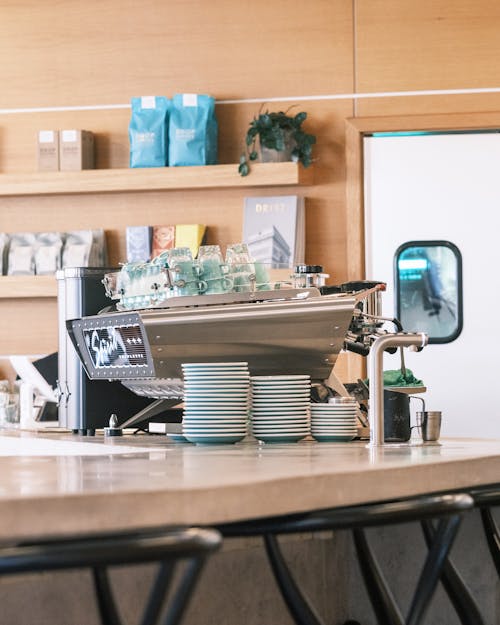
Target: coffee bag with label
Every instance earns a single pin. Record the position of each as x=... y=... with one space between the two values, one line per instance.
x=192 y=130
x=148 y=131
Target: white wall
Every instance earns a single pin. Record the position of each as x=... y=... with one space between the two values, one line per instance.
x=444 y=187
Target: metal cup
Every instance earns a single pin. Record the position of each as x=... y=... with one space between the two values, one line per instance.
x=430 y=422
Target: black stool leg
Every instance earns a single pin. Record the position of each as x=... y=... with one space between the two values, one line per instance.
x=382 y=600
x=455 y=587
x=183 y=592
x=492 y=536
x=158 y=594
x=300 y=609
x=443 y=540
x=105 y=601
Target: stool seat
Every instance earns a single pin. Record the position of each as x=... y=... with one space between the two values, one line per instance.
x=350 y=517
x=167 y=547
x=447 y=508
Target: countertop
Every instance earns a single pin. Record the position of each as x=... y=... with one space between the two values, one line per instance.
x=55 y=484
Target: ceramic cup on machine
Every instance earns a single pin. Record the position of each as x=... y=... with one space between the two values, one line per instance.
x=185 y=277
x=241 y=267
x=213 y=270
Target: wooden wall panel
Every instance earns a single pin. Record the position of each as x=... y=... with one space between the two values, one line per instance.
x=403 y=45
x=428 y=105
x=76 y=53
x=28 y=326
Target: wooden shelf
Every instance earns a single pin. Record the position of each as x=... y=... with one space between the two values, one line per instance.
x=153 y=179
x=24 y=287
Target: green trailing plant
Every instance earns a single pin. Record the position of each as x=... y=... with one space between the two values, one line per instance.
x=274 y=130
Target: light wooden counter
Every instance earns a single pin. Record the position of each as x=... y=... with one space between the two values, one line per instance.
x=53 y=484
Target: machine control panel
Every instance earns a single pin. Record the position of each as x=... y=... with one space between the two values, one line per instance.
x=112 y=347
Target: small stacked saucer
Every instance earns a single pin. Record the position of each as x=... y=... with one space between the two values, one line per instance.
x=279 y=408
x=335 y=421
x=215 y=402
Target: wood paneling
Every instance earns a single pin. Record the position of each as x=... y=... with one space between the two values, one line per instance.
x=428 y=105
x=403 y=45
x=28 y=326
x=77 y=53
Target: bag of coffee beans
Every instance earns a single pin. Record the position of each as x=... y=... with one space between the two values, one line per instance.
x=192 y=130
x=148 y=131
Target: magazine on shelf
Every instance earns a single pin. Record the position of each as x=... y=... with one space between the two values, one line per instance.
x=274 y=230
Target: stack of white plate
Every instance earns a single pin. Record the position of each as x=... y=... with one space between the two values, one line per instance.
x=335 y=421
x=215 y=402
x=280 y=407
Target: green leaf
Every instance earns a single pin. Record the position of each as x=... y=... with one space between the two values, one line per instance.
x=243 y=169
x=299 y=118
x=243 y=158
x=266 y=120
x=253 y=155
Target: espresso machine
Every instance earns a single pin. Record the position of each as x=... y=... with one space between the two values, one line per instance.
x=138 y=345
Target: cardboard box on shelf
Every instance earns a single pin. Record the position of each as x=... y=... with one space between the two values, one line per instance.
x=190 y=235
x=163 y=239
x=76 y=150
x=48 y=150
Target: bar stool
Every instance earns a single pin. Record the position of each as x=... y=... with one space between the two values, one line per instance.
x=447 y=509
x=459 y=594
x=484 y=499
x=168 y=548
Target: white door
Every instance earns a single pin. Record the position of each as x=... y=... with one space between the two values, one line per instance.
x=444 y=187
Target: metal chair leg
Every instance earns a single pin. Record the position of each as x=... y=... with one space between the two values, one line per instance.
x=445 y=535
x=183 y=592
x=104 y=595
x=107 y=606
x=455 y=587
x=158 y=593
x=382 y=599
x=492 y=536
x=383 y=602
x=298 y=606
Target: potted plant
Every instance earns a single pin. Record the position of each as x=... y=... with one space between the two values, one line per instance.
x=280 y=133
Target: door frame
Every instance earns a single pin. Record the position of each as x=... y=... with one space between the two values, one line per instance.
x=357 y=128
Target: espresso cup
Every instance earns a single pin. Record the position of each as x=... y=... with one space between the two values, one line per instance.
x=430 y=422
x=219 y=285
x=261 y=277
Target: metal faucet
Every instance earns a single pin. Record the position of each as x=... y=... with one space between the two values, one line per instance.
x=414 y=341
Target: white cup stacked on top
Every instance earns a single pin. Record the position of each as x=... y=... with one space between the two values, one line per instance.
x=215 y=402
x=280 y=407
x=335 y=421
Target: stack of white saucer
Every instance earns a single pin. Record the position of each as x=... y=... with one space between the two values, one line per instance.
x=215 y=402
x=280 y=407
x=335 y=421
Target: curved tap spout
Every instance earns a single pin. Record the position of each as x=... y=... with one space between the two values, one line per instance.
x=375 y=374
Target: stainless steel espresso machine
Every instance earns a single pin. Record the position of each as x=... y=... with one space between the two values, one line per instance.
x=282 y=329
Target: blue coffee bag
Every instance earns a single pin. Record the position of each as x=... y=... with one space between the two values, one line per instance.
x=148 y=131
x=192 y=130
